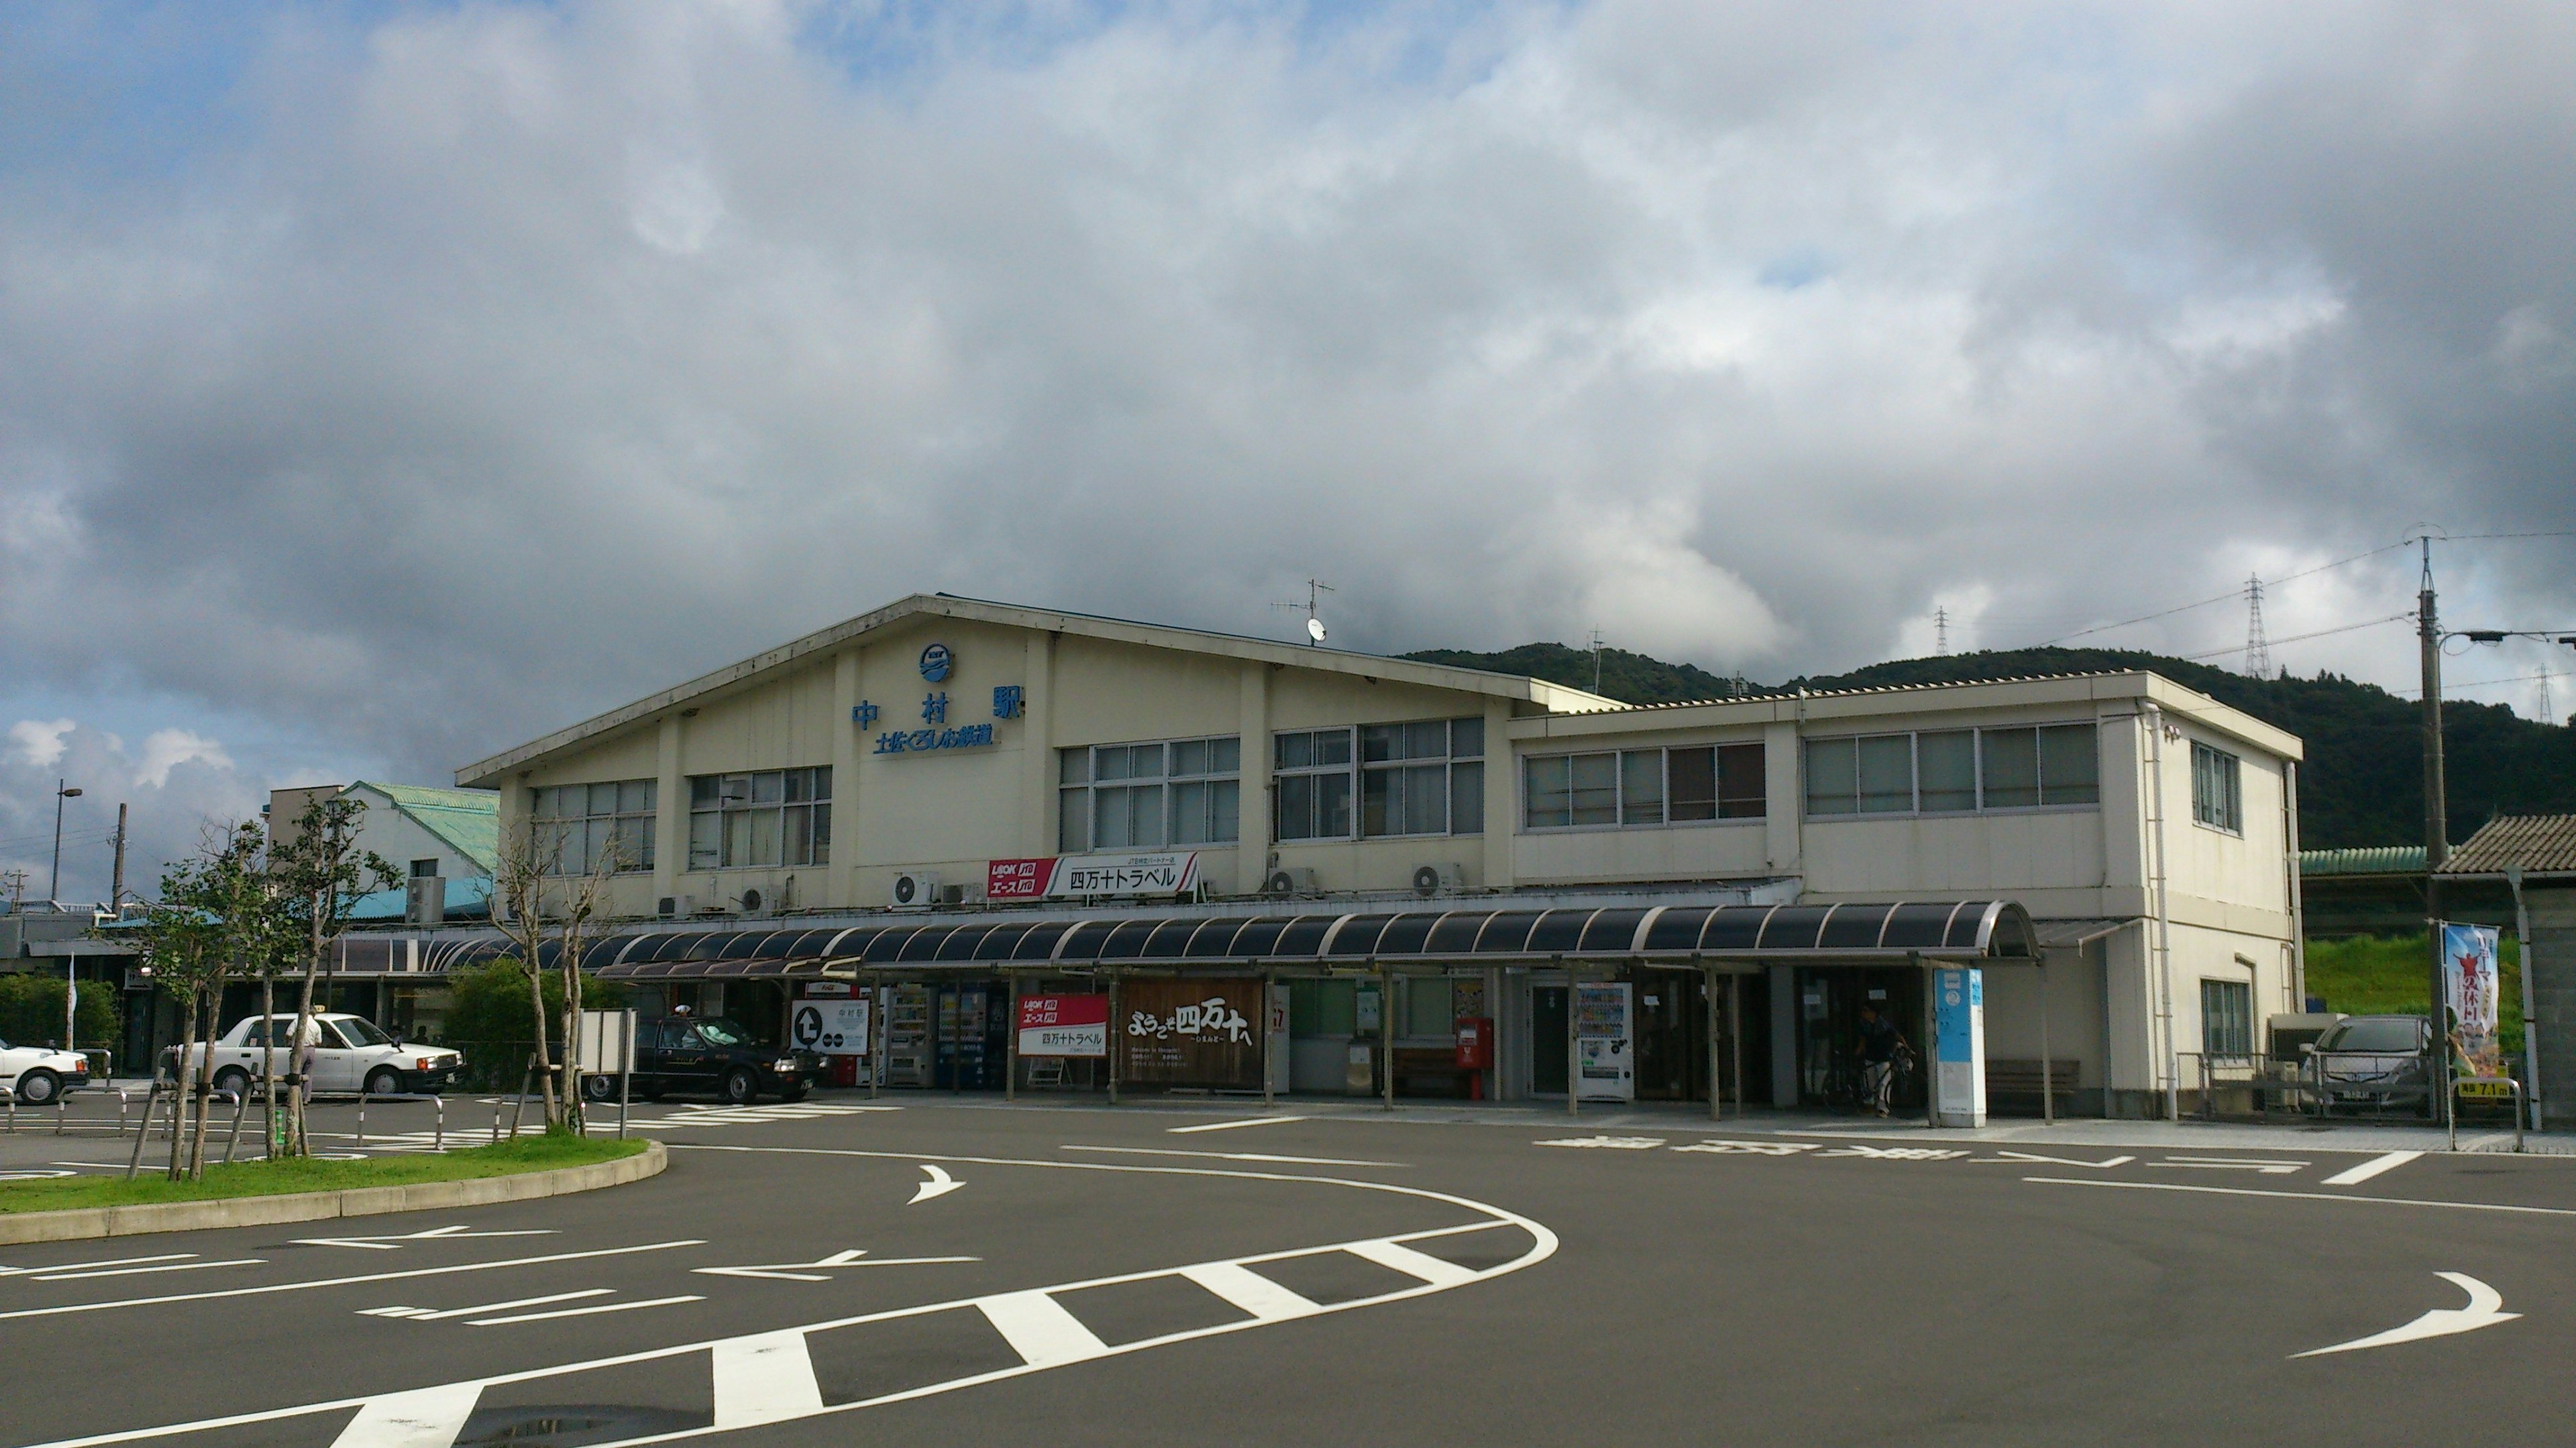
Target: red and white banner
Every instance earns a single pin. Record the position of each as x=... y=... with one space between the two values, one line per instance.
x=1073 y=876
x=1064 y=1025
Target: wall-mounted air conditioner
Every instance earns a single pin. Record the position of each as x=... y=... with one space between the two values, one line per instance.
x=756 y=903
x=1294 y=880
x=1430 y=880
x=916 y=890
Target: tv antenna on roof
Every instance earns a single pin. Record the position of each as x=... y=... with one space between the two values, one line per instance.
x=1314 y=625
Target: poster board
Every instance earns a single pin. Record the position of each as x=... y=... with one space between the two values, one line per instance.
x=1064 y=1026
x=1192 y=1033
x=830 y=1027
x=604 y=1043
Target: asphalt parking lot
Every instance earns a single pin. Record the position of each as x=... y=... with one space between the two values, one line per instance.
x=932 y=1270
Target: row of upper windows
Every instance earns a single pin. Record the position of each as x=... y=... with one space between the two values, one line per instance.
x=1954 y=771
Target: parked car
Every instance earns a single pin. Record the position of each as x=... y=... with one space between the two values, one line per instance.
x=39 y=1075
x=349 y=1054
x=2373 y=1060
x=707 y=1053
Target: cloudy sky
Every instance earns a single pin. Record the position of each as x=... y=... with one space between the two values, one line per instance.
x=383 y=385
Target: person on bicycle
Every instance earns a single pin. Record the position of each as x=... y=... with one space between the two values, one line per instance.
x=1879 y=1043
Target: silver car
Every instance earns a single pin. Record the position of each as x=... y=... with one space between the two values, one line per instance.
x=2375 y=1061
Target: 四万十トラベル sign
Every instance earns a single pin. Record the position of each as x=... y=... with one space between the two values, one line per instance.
x=1064 y=1025
x=1070 y=876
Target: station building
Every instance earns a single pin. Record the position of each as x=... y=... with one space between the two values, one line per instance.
x=958 y=802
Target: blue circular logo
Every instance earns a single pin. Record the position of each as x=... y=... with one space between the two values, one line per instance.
x=936 y=662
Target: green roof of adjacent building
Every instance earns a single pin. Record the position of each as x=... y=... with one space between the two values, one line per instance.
x=2365 y=860
x=469 y=820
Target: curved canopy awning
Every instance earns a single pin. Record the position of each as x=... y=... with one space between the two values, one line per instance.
x=1846 y=932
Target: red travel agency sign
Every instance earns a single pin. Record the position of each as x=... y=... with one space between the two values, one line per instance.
x=1064 y=1025
x=1076 y=876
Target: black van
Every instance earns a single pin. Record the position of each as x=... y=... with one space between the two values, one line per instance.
x=706 y=1053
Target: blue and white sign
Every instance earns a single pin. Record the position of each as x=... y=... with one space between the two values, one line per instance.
x=1959 y=1047
x=918 y=741
x=936 y=662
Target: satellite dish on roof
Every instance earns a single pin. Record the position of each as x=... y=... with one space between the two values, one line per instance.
x=1315 y=629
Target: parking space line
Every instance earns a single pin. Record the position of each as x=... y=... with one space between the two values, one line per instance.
x=108 y=1262
x=579 y=1311
x=423 y=1314
x=348 y=1281
x=1231 y=1155
x=130 y=1271
x=1234 y=1125
x=2305 y=1196
x=2353 y=1176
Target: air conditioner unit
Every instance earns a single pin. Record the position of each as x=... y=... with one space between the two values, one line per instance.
x=676 y=907
x=1430 y=880
x=916 y=890
x=425 y=900
x=756 y=903
x=1296 y=880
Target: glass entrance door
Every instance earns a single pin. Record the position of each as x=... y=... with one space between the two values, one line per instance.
x=1672 y=1036
x=1547 y=1040
x=1829 y=1004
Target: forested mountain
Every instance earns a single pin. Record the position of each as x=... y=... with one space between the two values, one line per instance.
x=2362 y=783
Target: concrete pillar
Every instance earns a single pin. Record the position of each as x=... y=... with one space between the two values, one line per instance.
x=1784 y=800
x=670 y=809
x=1784 y=1035
x=839 y=889
x=2550 y=956
x=1502 y=797
x=1252 y=852
x=1037 y=736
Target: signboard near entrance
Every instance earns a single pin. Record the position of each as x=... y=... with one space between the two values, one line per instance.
x=1192 y=1033
x=1067 y=877
x=1959 y=1047
x=830 y=1027
x=1605 y=1058
x=1064 y=1025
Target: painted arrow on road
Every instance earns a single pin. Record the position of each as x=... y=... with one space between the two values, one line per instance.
x=393 y=1241
x=2485 y=1309
x=939 y=1185
x=818 y=1271
x=2024 y=1156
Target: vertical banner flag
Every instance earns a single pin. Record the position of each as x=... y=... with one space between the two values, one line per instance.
x=2470 y=996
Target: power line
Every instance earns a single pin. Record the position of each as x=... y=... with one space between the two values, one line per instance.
x=2301 y=638
x=2226 y=597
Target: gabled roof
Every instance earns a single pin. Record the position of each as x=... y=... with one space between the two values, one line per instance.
x=1555 y=698
x=467 y=821
x=2537 y=844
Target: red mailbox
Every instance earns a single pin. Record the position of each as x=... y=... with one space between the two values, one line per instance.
x=1475 y=1043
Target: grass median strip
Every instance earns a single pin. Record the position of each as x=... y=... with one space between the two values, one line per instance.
x=277 y=1178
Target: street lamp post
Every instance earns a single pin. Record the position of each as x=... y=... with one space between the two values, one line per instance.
x=55 y=890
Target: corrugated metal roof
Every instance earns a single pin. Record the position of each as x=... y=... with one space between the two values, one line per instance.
x=2362 y=860
x=469 y=820
x=2540 y=844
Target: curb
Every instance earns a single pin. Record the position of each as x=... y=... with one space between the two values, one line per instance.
x=20 y=1227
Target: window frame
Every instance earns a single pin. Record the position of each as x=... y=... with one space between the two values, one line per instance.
x=1133 y=786
x=2236 y=1016
x=1663 y=772
x=1402 y=769
x=1348 y=769
x=752 y=810
x=2229 y=769
x=1977 y=746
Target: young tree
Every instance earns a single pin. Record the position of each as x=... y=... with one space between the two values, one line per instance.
x=582 y=896
x=184 y=945
x=321 y=874
x=532 y=892
x=256 y=934
x=217 y=914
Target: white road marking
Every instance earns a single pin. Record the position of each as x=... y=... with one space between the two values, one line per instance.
x=939 y=1185
x=108 y=1262
x=2485 y=1309
x=1404 y=1259
x=765 y=1379
x=1750 y=1148
x=1613 y=1143
x=819 y=1271
x=2305 y=1196
x=131 y=1271
x=347 y=1281
x=2353 y=1176
x=1039 y=1329
x=2028 y=1157
x=1234 y=1125
x=751 y=1115
x=578 y=1311
x=2266 y=1166
x=1251 y=1292
x=393 y=1241
x=1543 y=1244
x=429 y=1418
x=425 y=1314
x=1233 y=1155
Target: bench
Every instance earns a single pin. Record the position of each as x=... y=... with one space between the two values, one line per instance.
x=2015 y=1084
x=1435 y=1066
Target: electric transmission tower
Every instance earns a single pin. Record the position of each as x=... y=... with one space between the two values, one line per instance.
x=2258 y=649
x=1941 y=631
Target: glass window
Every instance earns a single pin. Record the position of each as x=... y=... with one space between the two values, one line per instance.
x=760 y=820
x=1427 y=1009
x=2070 y=765
x=1313 y=790
x=1467 y=798
x=2216 y=798
x=1466 y=738
x=1596 y=789
x=585 y=826
x=1887 y=774
x=1833 y=776
x=1323 y=1008
x=1550 y=793
x=1948 y=765
x=1641 y=787
x=1115 y=796
x=1742 y=792
x=2011 y=767
x=2227 y=1017
x=1691 y=777
x=1406 y=784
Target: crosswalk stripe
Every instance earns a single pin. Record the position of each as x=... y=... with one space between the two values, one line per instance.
x=768 y=1378
x=1413 y=1264
x=428 y=1418
x=1040 y=1330
x=1250 y=1291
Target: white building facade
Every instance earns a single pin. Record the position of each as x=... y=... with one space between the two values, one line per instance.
x=996 y=763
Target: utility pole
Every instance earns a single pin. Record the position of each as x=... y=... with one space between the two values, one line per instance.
x=61 y=793
x=1596 y=661
x=2437 y=843
x=17 y=888
x=116 y=880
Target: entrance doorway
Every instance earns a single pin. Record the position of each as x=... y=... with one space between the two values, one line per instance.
x=1672 y=1035
x=1829 y=1006
x=1547 y=1040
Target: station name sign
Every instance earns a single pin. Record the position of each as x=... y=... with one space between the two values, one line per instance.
x=1074 y=876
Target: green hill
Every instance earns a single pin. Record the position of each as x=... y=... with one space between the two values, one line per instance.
x=2362 y=783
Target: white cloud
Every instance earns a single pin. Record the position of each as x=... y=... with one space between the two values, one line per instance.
x=166 y=749
x=40 y=741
